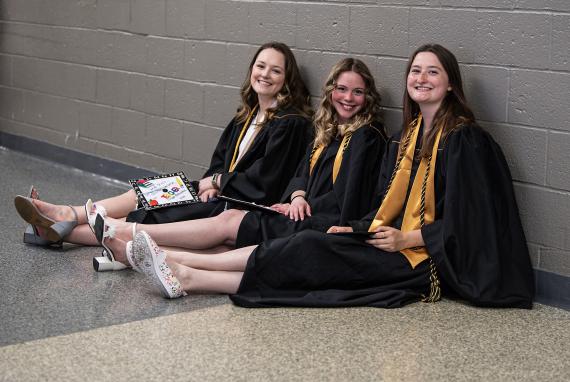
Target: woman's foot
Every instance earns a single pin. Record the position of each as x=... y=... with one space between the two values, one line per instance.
x=51 y=222
x=152 y=261
x=111 y=261
x=123 y=230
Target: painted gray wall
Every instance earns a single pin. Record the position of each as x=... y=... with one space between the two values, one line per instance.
x=152 y=82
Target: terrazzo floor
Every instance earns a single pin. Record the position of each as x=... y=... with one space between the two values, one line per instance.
x=61 y=321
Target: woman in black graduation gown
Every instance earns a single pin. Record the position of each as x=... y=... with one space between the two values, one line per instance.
x=256 y=155
x=448 y=223
x=334 y=183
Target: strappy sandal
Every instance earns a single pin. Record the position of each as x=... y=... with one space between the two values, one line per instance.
x=55 y=232
x=106 y=262
x=91 y=212
x=31 y=233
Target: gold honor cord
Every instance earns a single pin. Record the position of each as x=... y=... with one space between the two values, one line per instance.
x=337 y=160
x=233 y=163
x=417 y=212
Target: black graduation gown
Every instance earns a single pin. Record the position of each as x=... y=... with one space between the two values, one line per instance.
x=260 y=176
x=476 y=241
x=349 y=198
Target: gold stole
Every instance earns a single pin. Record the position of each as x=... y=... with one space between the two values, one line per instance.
x=422 y=189
x=337 y=160
x=234 y=161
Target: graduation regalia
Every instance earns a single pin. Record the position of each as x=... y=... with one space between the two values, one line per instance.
x=476 y=243
x=260 y=175
x=349 y=197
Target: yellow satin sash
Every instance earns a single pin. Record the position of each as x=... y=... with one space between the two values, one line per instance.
x=395 y=197
x=233 y=163
x=338 y=158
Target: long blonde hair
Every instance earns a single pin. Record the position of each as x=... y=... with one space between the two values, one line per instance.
x=325 y=121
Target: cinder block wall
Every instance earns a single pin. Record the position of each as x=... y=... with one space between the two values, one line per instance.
x=151 y=83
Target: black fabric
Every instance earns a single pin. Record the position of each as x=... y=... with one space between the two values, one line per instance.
x=476 y=241
x=351 y=196
x=312 y=268
x=260 y=176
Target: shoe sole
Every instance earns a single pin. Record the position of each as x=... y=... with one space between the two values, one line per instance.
x=29 y=212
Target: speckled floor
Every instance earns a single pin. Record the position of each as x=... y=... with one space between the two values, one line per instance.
x=60 y=320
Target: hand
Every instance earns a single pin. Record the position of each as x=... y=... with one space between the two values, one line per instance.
x=282 y=208
x=205 y=185
x=208 y=194
x=389 y=239
x=335 y=229
x=299 y=208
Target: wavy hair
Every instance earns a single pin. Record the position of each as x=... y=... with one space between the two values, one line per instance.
x=294 y=92
x=326 y=119
x=453 y=111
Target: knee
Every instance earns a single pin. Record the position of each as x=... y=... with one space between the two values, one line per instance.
x=231 y=216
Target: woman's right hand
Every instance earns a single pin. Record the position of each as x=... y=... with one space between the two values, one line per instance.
x=282 y=208
x=336 y=229
x=299 y=209
x=208 y=194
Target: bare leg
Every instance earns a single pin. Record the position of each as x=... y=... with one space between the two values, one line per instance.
x=205 y=233
x=118 y=207
x=119 y=248
x=235 y=260
x=196 y=281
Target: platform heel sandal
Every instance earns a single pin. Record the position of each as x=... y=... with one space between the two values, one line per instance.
x=105 y=263
x=55 y=232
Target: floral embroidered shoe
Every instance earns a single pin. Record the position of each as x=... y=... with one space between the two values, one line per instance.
x=151 y=260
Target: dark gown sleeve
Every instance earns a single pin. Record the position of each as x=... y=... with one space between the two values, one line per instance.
x=264 y=180
x=386 y=166
x=477 y=241
x=358 y=175
x=219 y=157
x=301 y=178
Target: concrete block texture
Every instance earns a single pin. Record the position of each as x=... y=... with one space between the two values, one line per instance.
x=152 y=83
x=227 y=20
x=186 y=18
x=164 y=137
x=148 y=17
x=517 y=39
x=114 y=14
x=183 y=100
x=452 y=28
x=544 y=214
x=561 y=42
x=323 y=27
x=199 y=143
x=487 y=91
x=57 y=113
x=55 y=12
x=525 y=150
x=557 y=174
x=68 y=80
x=539 y=98
x=382 y=31
x=5 y=70
x=272 y=21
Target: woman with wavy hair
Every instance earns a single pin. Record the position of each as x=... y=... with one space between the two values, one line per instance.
x=257 y=154
x=448 y=223
x=333 y=185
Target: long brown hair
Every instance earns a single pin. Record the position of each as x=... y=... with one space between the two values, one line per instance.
x=294 y=92
x=453 y=111
x=325 y=121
